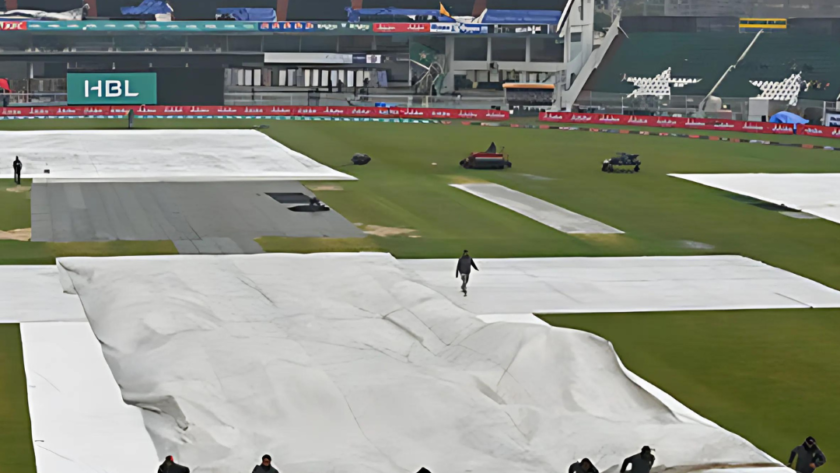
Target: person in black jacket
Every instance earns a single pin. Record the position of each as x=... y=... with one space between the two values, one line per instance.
x=808 y=456
x=17 y=166
x=265 y=466
x=169 y=466
x=640 y=462
x=583 y=466
x=465 y=265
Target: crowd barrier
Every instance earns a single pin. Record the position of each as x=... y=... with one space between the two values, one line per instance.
x=253 y=111
x=690 y=123
x=668 y=122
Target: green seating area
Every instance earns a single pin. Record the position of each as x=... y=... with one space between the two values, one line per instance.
x=775 y=56
x=689 y=55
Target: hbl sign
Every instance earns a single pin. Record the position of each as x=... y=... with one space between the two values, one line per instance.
x=112 y=89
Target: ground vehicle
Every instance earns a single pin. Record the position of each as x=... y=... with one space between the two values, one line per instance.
x=622 y=159
x=489 y=159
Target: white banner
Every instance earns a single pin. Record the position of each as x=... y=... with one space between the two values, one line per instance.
x=832 y=119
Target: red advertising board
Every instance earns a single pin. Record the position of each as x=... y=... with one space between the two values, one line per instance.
x=255 y=111
x=816 y=130
x=13 y=25
x=668 y=122
x=402 y=27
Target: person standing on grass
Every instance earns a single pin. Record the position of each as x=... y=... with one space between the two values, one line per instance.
x=465 y=265
x=17 y=166
x=808 y=456
x=265 y=466
x=640 y=462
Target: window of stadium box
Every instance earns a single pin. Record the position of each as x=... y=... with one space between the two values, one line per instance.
x=355 y=44
x=318 y=44
x=437 y=43
x=545 y=49
x=508 y=49
x=281 y=43
x=207 y=43
x=470 y=49
x=391 y=43
x=13 y=42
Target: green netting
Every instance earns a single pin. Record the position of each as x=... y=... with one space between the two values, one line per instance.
x=703 y=56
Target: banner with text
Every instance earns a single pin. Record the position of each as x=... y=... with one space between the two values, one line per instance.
x=254 y=111
x=668 y=122
x=112 y=88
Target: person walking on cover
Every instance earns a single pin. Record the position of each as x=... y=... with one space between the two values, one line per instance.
x=169 y=466
x=17 y=166
x=465 y=265
x=808 y=456
x=265 y=466
x=583 y=466
x=640 y=462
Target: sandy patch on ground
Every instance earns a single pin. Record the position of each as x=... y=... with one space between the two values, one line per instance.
x=21 y=234
x=18 y=189
x=536 y=178
x=466 y=180
x=325 y=188
x=696 y=245
x=379 y=231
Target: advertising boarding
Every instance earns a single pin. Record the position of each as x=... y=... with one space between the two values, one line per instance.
x=112 y=88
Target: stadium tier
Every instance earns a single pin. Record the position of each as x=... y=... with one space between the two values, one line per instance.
x=702 y=56
x=777 y=57
x=706 y=56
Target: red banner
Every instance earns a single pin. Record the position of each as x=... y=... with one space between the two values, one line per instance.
x=256 y=111
x=668 y=122
x=816 y=130
x=13 y=25
x=402 y=27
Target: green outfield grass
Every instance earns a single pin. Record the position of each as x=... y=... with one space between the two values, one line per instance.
x=771 y=375
x=767 y=375
x=16 y=450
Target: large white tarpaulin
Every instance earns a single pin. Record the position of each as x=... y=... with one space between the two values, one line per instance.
x=640 y=284
x=346 y=363
x=80 y=423
x=157 y=155
x=818 y=193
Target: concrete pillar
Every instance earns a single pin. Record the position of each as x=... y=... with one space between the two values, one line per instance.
x=283 y=9
x=449 y=80
x=528 y=49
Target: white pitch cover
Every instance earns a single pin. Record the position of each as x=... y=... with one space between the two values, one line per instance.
x=157 y=155
x=348 y=362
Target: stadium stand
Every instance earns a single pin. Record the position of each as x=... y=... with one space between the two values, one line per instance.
x=775 y=57
x=296 y=9
x=703 y=56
